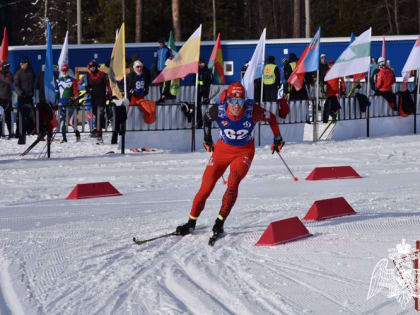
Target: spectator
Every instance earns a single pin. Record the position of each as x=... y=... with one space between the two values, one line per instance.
x=6 y=80
x=323 y=68
x=67 y=90
x=374 y=69
x=335 y=88
x=385 y=82
x=170 y=89
x=24 y=83
x=161 y=55
x=98 y=87
x=271 y=80
x=204 y=81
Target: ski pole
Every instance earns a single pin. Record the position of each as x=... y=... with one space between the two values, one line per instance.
x=285 y=164
x=139 y=242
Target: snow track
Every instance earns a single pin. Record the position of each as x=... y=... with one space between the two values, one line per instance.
x=77 y=257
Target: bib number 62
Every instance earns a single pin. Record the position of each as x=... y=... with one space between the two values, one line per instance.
x=236 y=135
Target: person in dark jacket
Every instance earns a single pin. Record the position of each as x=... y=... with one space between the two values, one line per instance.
x=204 y=81
x=98 y=87
x=6 y=80
x=24 y=83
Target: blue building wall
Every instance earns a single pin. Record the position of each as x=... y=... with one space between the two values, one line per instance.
x=397 y=50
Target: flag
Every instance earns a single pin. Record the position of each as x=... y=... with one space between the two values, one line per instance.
x=308 y=62
x=171 y=43
x=358 y=76
x=216 y=62
x=383 y=47
x=4 y=50
x=49 y=83
x=187 y=61
x=412 y=63
x=117 y=63
x=354 y=59
x=255 y=67
x=64 y=54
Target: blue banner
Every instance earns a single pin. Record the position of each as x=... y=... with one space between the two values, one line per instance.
x=49 y=82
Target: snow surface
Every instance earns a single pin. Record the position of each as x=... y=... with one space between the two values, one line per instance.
x=62 y=256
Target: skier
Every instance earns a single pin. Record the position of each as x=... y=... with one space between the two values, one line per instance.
x=236 y=118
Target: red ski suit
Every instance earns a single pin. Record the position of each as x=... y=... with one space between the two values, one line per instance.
x=239 y=157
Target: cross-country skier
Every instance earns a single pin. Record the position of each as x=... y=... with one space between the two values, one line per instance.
x=236 y=118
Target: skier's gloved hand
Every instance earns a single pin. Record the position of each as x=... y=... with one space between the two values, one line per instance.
x=208 y=145
x=277 y=145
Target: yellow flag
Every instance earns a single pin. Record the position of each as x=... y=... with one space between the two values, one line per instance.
x=117 y=64
x=185 y=63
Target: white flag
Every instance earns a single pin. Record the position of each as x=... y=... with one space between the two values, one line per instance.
x=64 y=54
x=413 y=60
x=255 y=67
x=355 y=59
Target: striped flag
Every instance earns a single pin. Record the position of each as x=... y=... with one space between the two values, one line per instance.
x=216 y=62
x=308 y=62
x=354 y=59
x=187 y=61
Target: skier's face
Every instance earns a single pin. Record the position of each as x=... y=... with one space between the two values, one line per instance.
x=235 y=105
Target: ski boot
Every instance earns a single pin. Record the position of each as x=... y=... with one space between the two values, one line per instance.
x=77 y=136
x=218 y=226
x=187 y=228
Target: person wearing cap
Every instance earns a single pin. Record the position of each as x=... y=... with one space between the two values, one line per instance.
x=271 y=80
x=385 y=82
x=137 y=82
x=161 y=55
x=323 y=68
x=99 y=89
x=24 y=84
x=236 y=118
x=6 y=80
x=334 y=88
x=204 y=81
x=66 y=91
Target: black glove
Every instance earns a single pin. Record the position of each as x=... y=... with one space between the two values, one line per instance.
x=208 y=145
x=277 y=145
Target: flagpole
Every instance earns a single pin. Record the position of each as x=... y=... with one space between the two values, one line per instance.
x=417 y=99
x=195 y=113
x=367 y=109
x=315 y=110
x=262 y=91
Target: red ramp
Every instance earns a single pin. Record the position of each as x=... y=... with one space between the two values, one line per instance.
x=93 y=190
x=333 y=172
x=329 y=208
x=283 y=231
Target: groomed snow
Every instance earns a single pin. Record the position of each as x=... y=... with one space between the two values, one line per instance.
x=62 y=256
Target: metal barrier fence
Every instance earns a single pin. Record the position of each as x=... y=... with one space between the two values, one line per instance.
x=169 y=116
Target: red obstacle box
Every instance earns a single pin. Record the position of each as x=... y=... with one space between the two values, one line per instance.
x=333 y=172
x=93 y=190
x=283 y=231
x=329 y=208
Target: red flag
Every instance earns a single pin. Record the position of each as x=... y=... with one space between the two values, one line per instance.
x=4 y=50
x=216 y=62
x=383 y=47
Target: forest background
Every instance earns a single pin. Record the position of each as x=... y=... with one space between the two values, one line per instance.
x=150 y=20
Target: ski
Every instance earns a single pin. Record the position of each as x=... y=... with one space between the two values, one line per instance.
x=37 y=140
x=140 y=242
x=214 y=238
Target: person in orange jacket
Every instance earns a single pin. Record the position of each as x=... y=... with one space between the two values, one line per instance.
x=333 y=91
x=236 y=117
x=386 y=77
x=384 y=83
